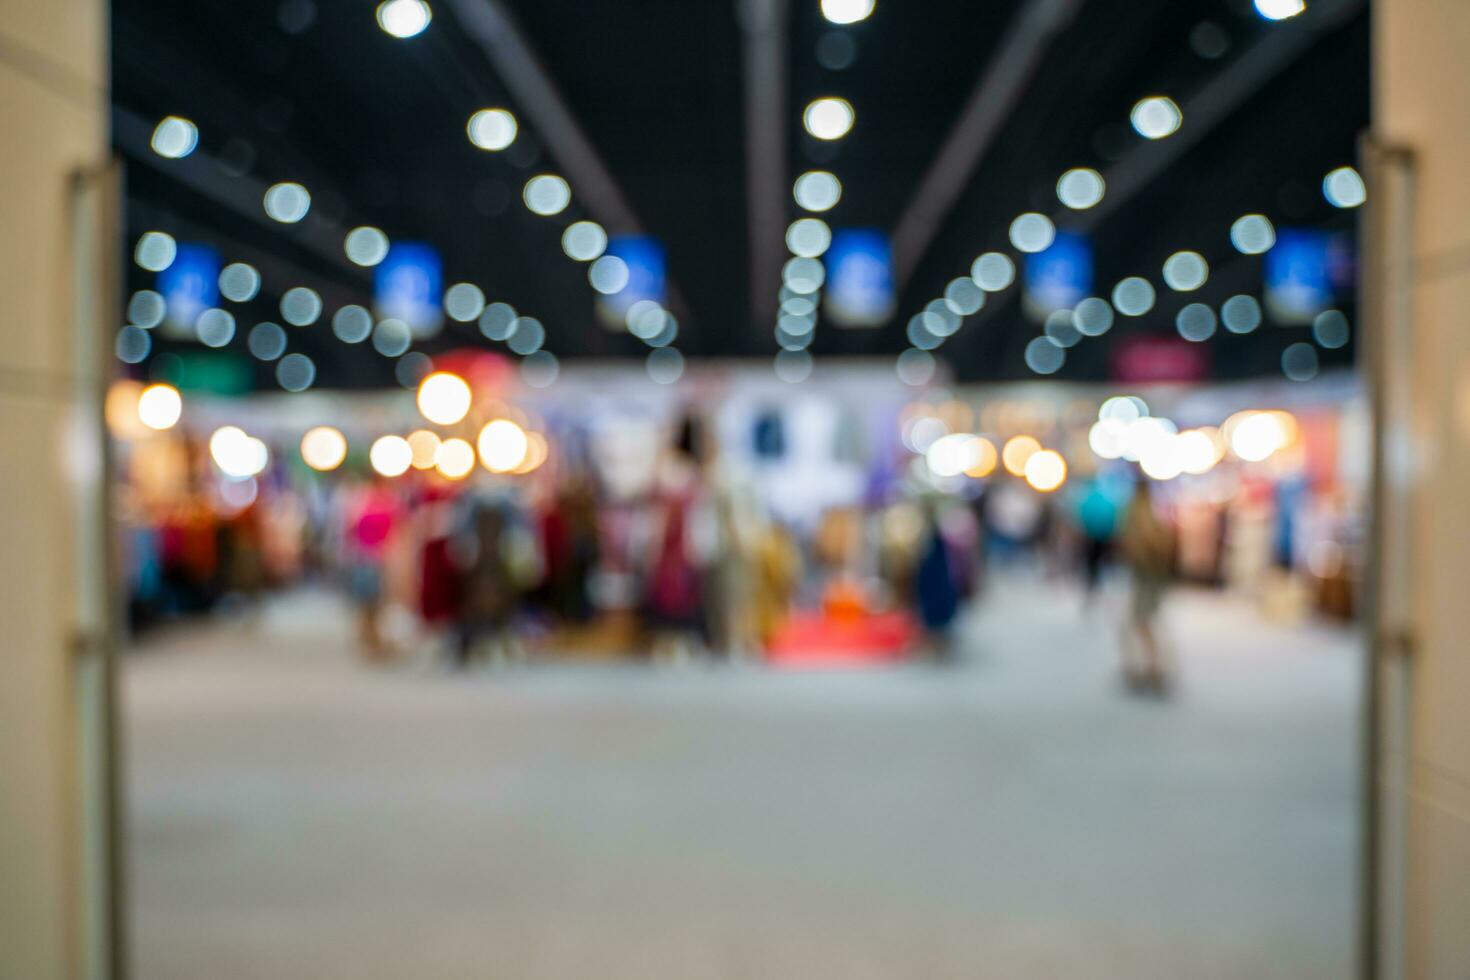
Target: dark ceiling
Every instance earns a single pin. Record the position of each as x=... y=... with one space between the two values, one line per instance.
x=375 y=127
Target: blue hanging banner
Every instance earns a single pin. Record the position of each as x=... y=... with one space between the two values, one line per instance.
x=1303 y=270
x=408 y=285
x=859 y=266
x=1060 y=276
x=189 y=287
x=647 y=277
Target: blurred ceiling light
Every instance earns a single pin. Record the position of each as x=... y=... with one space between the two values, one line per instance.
x=1046 y=470
x=547 y=194
x=1156 y=117
x=1081 y=188
x=174 y=137
x=425 y=448
x=985 y=460
x=498 y=321
x=146 y=308
x=584 y=241
x=1279 y=9
x=160 y=406
x=444 y=398
x=1299 y=362
x=366 y=245
x=492 y=129
x=404 y=18
x=239 y=282
x=456 y=459
x=237 y=454
x=1093 y=317
x=528 y=336
x=1186 y=271
x=802 y=275
x=155 y=251
x=392 y=337
x=1331 y=329
x=1045 y=356
x=502 y=445
x=296 y=372
x=323 y=448
x=287 y=202
x=847 y=11
x=391 y=456
x=994 y=271
x=1344 y=188
x=301 y=306
x=1252 y=234
x=1133 y=296
x=1032 y=232
x=915 y=367
x=817 y=190
x=664 y=365
x=828 y=118
x=964 y=296
x=793 y=366
x=1017 y=451
x=352 y=324
x=1240 y=314
x=808 y=237
x=214 y=327
x=132 y=345
x=1196 y=322
x=608 y=275
x=464 y=301
x=1061 y=330
x=266 y=341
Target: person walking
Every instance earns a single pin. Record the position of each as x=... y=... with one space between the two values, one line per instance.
x=1148 y=545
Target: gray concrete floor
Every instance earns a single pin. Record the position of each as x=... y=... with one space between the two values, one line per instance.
x=294 y=814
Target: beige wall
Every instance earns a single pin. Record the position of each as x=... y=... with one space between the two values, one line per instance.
x=52 y=116
x=1422 y=102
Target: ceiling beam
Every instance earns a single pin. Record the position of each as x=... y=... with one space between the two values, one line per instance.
x=763 y=24
x=996 y=93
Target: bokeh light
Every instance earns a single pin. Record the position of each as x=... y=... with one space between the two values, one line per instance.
x=404 y=18
x=287 y=202
x=366 y=245
x=1185 y=271
x=1252 y=234
x=237 y=454
x=424 y=445
x=584 y=240
x=817 y=190
x=155 y=251
x=1156 y=117
x=1344 y=188
x=808 y=237
x=502 y=445
x=174 y=137
x=1017 y=451
x=323 y=448
x=1032 y=232
x=239 y=282
x=464 y=301
x=455 y=460
x=160 y=406
x=847 y=11
x=390 y=456
x=547 y=194
x=1279 y=9
x=1081 y=188
x=993 y=271
x=444 y=398
x=492 y=129
x=1045 y=470
x=828 y=118
x=1133 y=296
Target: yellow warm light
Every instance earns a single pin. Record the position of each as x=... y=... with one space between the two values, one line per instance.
x=985 y=459
x=1197 y=450
x=456 y=459
x=444 y=398
x=425 y=446
x=1046 y=470
x=391 y=456
x=1018 y=449
x=121 y=410
x=160 y=406
x=536 y=452
x=1256 y=436
x=503 y=445
x=323 y=448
